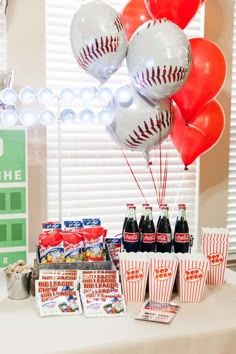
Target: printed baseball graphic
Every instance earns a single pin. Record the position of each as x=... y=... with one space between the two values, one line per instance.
x=98 y=39
x=158 y=59
x=141 y=126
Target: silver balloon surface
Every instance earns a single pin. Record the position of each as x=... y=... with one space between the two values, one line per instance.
x=158 y=59
x=141 y=126
x=98 y=39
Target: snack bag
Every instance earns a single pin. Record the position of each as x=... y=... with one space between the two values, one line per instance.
x=51 y=226
x=51 y=249
x=73 y=225
x=73 y=246
x=114 y=247
x=94 y=243
x=91 y=222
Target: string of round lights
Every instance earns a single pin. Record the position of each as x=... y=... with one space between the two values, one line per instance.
x=62 y=105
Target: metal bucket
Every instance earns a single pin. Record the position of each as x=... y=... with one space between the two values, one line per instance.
x=18 y=284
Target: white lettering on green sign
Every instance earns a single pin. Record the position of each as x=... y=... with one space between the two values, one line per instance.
x=10 y=175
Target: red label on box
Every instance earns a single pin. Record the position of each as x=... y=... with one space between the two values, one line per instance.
x=193 y=275
x=134 y=275
x=215 y=258
x=149 y=238
x=131 y=237
x=162 y=273
x=181 y=238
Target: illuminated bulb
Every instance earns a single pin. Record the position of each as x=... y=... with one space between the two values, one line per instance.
x=28 y=118
x=27 y=95
x=104 y=94
x=46 y=96
x=86 y=115
x=124 y=96
x=8 y=96
x=68 y=116
x=87 y=94
x=67 y=95
x=46 y=117
x=106 y=116
x=9 y=118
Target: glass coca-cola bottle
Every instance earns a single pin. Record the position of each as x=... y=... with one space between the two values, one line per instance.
x=160 y=213
x=126 y=216
x=131 y=242
x=148 y=233
x=163 y=232
x=181 y=232
x=140 y=225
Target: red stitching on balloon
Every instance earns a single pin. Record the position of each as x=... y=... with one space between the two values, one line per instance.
x=161 y=121
x=119 y=24
x=90 y=53
x=152 y=77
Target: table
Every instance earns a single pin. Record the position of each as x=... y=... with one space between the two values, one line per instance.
x=205 y=328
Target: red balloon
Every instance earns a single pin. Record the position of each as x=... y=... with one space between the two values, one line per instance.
x=200 y=134
x=134 y=15
x=178 y=11
x=206 y=77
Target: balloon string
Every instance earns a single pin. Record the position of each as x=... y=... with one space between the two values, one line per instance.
x=164 y=181
x=153 y=180
x=134 y=176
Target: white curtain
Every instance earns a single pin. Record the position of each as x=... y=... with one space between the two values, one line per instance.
x=88 y=175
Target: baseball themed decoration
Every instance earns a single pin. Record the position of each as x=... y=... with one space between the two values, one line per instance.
x=141 y=126
x=98 y=39
x=158 y=59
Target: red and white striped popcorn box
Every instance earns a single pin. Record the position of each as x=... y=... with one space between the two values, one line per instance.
x=215 y=246
x=191 y=277
x=134 y=272
x=162 y=273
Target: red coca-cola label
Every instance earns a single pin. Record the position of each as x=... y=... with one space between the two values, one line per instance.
x=192 y=275
x=215 y=258
x=149 y=238
x=162 y=273
x=131 y=236
x=134 y=274
x=163 y=238
x=181 y=238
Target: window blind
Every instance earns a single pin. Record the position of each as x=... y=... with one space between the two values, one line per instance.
x=231 y=212
x=88 y=175
x=2 y=38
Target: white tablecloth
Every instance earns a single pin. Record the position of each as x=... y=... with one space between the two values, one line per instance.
x=205 y=328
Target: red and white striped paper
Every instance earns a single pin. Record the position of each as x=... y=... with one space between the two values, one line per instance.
x=134 y=272
x=192 y=274
x=215 y=246
x=162 y=273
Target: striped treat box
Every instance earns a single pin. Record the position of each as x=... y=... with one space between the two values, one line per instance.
x=134 y=272
x=162 y=273
x=215 y=246
x=191 y=278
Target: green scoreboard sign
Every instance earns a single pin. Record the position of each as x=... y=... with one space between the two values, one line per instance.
x=13 y=196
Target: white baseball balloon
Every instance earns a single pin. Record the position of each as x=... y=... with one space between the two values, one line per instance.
x=98 y=39
x=141 y=126
x=158 y=59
